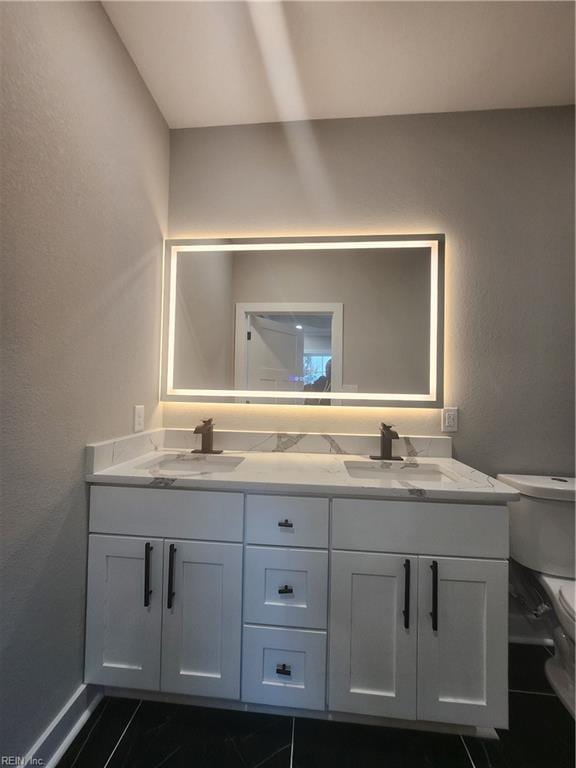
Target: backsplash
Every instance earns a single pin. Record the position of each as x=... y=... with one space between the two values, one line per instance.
x=102 y=455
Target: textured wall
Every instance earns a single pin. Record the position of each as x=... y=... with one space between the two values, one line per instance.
x=499 y=184
x=85 y=178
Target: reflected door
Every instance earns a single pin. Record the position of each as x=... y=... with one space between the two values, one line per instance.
x=275 y=356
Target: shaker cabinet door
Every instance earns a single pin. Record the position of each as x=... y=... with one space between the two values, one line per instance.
x=373 y=629
x=202 y=618
x=463 y=642
x=124 y=611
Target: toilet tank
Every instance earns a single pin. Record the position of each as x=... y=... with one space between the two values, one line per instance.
x=542 y=523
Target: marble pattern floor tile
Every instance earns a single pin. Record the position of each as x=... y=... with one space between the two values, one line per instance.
x=175 y=736
x=321 y=744
x=96 y=740
x=541 y=735
x=126 y=733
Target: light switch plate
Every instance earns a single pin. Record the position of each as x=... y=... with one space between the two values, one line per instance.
x=449 y=419
x=138 y=418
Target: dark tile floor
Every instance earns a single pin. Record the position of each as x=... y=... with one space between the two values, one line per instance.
x=138 y=734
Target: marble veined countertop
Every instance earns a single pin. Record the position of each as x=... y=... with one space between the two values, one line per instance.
x=433 y=478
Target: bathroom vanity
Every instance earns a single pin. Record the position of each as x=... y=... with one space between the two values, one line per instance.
x=291 y=578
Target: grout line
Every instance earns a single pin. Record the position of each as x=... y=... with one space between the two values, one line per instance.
x=472 y=763
x=107 y=763
x=292 y=742
x=533 y=693
x=266 y=759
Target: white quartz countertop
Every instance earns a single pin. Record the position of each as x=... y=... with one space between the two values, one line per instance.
x=427 y=478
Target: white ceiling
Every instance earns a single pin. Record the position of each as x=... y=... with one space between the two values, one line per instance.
x=224 y=63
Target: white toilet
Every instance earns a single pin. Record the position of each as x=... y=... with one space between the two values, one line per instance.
x=542 y=541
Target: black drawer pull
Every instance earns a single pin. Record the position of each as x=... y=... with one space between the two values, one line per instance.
x=406 y=611
x=171 y=592
x=286 y=590
x=283 y=669
x=285 y=524
x=147 y=591
x=434 y=611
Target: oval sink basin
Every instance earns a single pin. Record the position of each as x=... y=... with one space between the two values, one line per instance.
x=193 y=464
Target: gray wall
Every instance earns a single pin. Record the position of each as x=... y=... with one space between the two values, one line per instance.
x=204 y=322
x=498 y=184
x=85 y=174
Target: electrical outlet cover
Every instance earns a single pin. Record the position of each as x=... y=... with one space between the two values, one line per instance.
x=449 y=419
x=138 y=418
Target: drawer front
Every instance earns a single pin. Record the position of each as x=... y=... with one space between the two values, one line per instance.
x=288 y=587
x=165 y=513
x=419 y=527
x=287 y=522
x=284 y=667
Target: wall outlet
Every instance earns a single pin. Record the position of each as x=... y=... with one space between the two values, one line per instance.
x=449 y=419
x=138 y=418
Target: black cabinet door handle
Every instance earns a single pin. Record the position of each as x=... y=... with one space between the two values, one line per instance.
x=283 y=669
x=147 y=591
x=406 y=611
x=286 y=590
x=434 y=612
x=171 y=592
x=285 y=524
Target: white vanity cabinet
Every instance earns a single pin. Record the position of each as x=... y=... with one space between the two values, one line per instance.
x=373 y=634
x=412 y=635
x=202 y=621
x=463 y=656
x=285 y=601
x=124 y=611
x=165 y=614
x=372 y=607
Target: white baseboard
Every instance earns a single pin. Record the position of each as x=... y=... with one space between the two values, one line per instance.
x=58 y=736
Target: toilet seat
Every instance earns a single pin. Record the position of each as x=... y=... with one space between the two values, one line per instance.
x=562 y=593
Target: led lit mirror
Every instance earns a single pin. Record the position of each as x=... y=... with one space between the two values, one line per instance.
x=311 y=321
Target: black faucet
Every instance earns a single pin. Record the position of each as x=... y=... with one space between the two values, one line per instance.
x=206 y=429
x=387 y=434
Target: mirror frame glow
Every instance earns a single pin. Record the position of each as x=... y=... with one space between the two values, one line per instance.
x=434 y=398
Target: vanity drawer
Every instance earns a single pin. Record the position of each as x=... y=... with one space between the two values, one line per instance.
x=284 y=667
x=287 y=521
x=165 y=513
x=286 y=586
x=420 y=527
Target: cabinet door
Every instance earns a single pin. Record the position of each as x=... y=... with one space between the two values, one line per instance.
x=124 y=611
x=373 y=632
x=463 y=641
x=202 y=618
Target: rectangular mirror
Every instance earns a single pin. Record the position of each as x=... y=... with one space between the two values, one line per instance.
x=312 y=321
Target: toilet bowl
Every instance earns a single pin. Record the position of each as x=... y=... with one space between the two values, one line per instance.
x=542 y=543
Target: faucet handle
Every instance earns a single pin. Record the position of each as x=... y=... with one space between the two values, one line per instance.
x=207 y=422
x=387 y=429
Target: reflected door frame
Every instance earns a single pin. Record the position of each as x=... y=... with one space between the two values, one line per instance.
x=242 y=326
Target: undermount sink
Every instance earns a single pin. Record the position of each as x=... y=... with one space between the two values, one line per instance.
x=398 y=471
x=194 y=464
